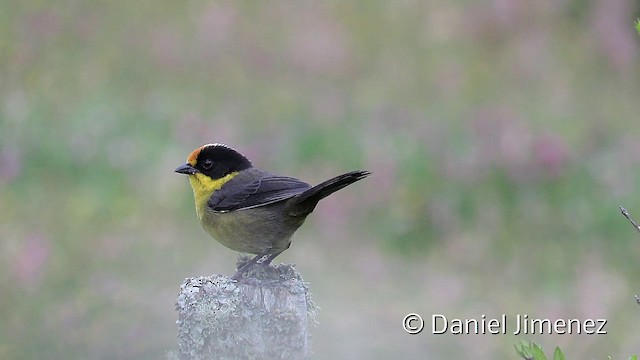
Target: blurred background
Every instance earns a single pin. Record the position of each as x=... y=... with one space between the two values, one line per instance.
x=502 y=136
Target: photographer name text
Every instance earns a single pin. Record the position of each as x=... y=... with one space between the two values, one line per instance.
x=520 y=324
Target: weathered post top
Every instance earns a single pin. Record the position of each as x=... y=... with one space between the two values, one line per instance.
x=265 y=315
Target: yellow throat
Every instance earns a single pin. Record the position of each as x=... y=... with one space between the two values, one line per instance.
x=203 y=187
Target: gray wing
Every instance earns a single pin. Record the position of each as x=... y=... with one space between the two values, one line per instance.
x=256 y=188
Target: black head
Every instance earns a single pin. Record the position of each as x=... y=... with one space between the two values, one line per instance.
x=215 y=161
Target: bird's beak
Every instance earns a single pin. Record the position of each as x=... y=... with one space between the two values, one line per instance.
x=186 y=169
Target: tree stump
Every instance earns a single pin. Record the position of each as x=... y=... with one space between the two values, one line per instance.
x=264 y=315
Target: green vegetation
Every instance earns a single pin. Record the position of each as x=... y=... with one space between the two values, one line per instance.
x=533 y=351
x=502 y=138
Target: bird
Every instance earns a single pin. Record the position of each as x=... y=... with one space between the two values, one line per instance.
x=250 y=210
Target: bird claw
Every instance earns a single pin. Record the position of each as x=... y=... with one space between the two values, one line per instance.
x=237 y=276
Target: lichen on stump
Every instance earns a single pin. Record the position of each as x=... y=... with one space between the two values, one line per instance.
x=265 y=315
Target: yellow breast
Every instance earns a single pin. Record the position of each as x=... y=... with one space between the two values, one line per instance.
x=203 y=187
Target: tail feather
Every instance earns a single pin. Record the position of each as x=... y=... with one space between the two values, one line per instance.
x=307 y=201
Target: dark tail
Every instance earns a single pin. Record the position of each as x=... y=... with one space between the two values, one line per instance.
x=307 y=201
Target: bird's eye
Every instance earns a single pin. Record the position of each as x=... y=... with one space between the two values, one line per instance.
x=207 y=164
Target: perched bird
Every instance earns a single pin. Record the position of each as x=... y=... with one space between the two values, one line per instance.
x=250 y=210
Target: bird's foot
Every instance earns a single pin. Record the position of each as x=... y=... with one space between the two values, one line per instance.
x=244 y=267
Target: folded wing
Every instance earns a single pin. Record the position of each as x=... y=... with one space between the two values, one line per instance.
x=261 y=190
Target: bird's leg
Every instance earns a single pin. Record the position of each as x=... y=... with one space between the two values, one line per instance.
x=247 y=265
x=271 y=256
x=255 y=260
